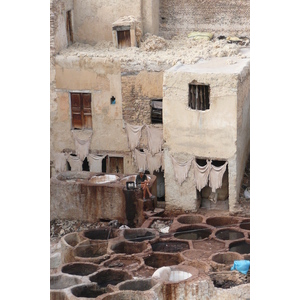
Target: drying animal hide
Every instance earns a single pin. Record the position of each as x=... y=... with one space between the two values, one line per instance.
x=155 y=139
x=201 y=174
x=75 y=163
x=134 y=133
x=154 y=162
x=95 y=162
x=60 y=162
x=216 y=176
x=140 y=159
x=82 y=141
x=181 y=169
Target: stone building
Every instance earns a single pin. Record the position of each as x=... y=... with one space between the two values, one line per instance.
x=115 y=63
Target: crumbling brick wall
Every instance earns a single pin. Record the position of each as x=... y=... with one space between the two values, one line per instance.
x=135 y=107
x=221 y=17
x=138 y=89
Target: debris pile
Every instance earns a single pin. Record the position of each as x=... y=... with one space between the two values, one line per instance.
x=59 y=228
x=153 y=43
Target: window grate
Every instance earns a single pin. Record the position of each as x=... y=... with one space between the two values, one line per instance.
x=199 y=96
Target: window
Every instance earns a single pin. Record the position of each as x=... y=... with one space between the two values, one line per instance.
x=156 y=111
x=199 y=96
x=81 y=110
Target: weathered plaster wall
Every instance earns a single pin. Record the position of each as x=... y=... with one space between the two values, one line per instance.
x=150 y=13
x=210 y=133
x=243 y=125
x=138 y=89
x=222 y=17
x=58 y=32
x=204 y=134
x=179 y=198
x=94 y=18
x=58 y=41
x=103 y=80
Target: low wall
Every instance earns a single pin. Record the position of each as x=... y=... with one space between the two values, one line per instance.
x=75 y=195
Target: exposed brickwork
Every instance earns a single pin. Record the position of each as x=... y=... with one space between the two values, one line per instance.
x=135 y=106
x=222 y=17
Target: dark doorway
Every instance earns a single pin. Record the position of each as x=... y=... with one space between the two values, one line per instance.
x=69 y=28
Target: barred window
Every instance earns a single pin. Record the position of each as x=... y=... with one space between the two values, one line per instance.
x=199 y=96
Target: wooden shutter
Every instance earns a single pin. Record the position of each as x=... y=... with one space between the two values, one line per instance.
x=87 y=111
x=81 y=111
x=76 y=111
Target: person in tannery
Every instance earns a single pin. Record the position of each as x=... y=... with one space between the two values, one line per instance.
x=143 y=183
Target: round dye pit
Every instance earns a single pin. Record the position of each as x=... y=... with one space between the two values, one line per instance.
x=170 y=246
x=177 y=276
x=88 y=291
x=139 y=235
x=242 y=247
x=123 y=262
x=91 y=251
x=226 y=258
x=62 y=281
x=229 y=234
x=175 y=273
x=100 y=234
x=245 y=224
x=100 y=179
x=127 y=295
x=137 y=285
x=227 y=279
x=128 y=247
x=109 y=276
x=158 y=260
x=71 y=239
x=81 y=269
x=222 y=221
x=193 y=233
x=190 y=219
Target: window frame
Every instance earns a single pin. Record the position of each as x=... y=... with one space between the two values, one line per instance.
x=199 y=96
x=156 y=109
x=84 y=110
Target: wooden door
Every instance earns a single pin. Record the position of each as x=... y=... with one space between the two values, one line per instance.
x=124 y=38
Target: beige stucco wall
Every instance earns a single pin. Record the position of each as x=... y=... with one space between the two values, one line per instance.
x=202 y=134
x=93 y=18
x=101 y=79
x=150 y=14
x=58 y=23
x=221 y=17
x=243 y=126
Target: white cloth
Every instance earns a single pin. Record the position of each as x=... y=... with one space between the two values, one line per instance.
x=134 y=133
x=82 y=139
x=181 y=169
x=60 y=162
x=140 y=159
x=75 y=163
x=154 y=162
x=155 y=139
x=201 y=174
x=95 y=162
x=216 y=176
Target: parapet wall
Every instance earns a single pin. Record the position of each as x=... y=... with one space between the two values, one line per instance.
x=221 y=17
